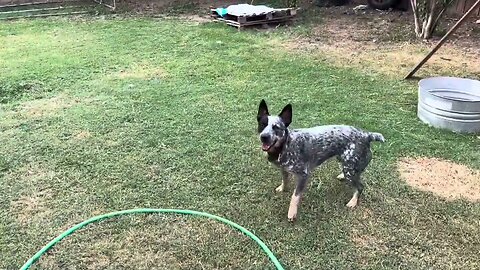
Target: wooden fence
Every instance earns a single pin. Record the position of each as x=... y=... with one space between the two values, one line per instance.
x=461 y=6
x=458 y=8
x=26 y=2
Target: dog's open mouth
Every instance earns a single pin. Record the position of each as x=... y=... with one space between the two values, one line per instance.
x=266 y=146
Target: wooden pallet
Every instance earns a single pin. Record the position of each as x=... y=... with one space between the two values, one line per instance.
x=276 y=16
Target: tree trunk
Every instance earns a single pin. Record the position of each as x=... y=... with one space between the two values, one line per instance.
x=426 y=16
x=416 y=18
x=428 y=23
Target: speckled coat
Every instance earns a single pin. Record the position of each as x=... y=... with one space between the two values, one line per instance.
x=300 y=151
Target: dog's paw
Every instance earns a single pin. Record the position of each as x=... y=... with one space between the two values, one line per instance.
x=352 y=203
x=341 y=177
x=280 y=188
x=292 y=215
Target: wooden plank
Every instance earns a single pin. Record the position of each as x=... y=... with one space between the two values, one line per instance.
x=251 y=23
x=242 y=19
x=444 y=38
x=257 y=21
x=33 y=4
x=25 y=3
x=44 y=15
x=38 y=9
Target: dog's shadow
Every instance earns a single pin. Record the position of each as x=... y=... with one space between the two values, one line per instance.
x=326 y=188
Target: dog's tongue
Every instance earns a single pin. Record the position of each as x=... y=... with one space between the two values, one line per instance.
x=265 y=147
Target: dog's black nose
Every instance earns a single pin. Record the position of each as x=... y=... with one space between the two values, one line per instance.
x=264 y=138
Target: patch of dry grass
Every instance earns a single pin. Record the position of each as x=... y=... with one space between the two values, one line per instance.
x=46 y=107
x=139 y=71
x=383 y=43
x=31 y=206
x=393 y=60
x=441 y=177
x=170 y=242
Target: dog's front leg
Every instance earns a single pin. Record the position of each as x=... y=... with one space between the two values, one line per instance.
x=297 y=196
x=284 y=184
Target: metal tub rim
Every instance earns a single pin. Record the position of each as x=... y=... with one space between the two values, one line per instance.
x=450 y=103
x=430 y=86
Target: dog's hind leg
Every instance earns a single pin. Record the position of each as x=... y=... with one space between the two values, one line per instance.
x=355 y=160
x=297 y=196
x=358 y=186
x=284 y=184
x=341 y=176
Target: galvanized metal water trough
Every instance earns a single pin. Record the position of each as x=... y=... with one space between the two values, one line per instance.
x=450 y=103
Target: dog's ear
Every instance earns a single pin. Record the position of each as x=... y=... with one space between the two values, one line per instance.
x=286 y=115
x=262 y=110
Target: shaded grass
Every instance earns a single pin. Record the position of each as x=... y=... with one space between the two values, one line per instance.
x=186 y=138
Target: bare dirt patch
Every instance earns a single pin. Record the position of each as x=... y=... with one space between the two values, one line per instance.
x=397 y=60
x=384 y=42
x=441 y=177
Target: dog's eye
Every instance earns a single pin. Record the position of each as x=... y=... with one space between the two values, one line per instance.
x=276 y=127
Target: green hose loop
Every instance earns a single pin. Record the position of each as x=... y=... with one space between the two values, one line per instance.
x=66 y=233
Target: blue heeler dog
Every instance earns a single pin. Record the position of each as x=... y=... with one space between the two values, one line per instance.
x=300 y=151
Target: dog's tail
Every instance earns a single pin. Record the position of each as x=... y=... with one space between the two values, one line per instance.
x=373 y=136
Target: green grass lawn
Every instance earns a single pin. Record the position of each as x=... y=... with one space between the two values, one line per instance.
x=99 y=115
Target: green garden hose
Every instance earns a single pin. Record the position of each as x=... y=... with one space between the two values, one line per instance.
x=66 y=233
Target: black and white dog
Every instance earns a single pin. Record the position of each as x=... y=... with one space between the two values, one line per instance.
x=300 y=151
